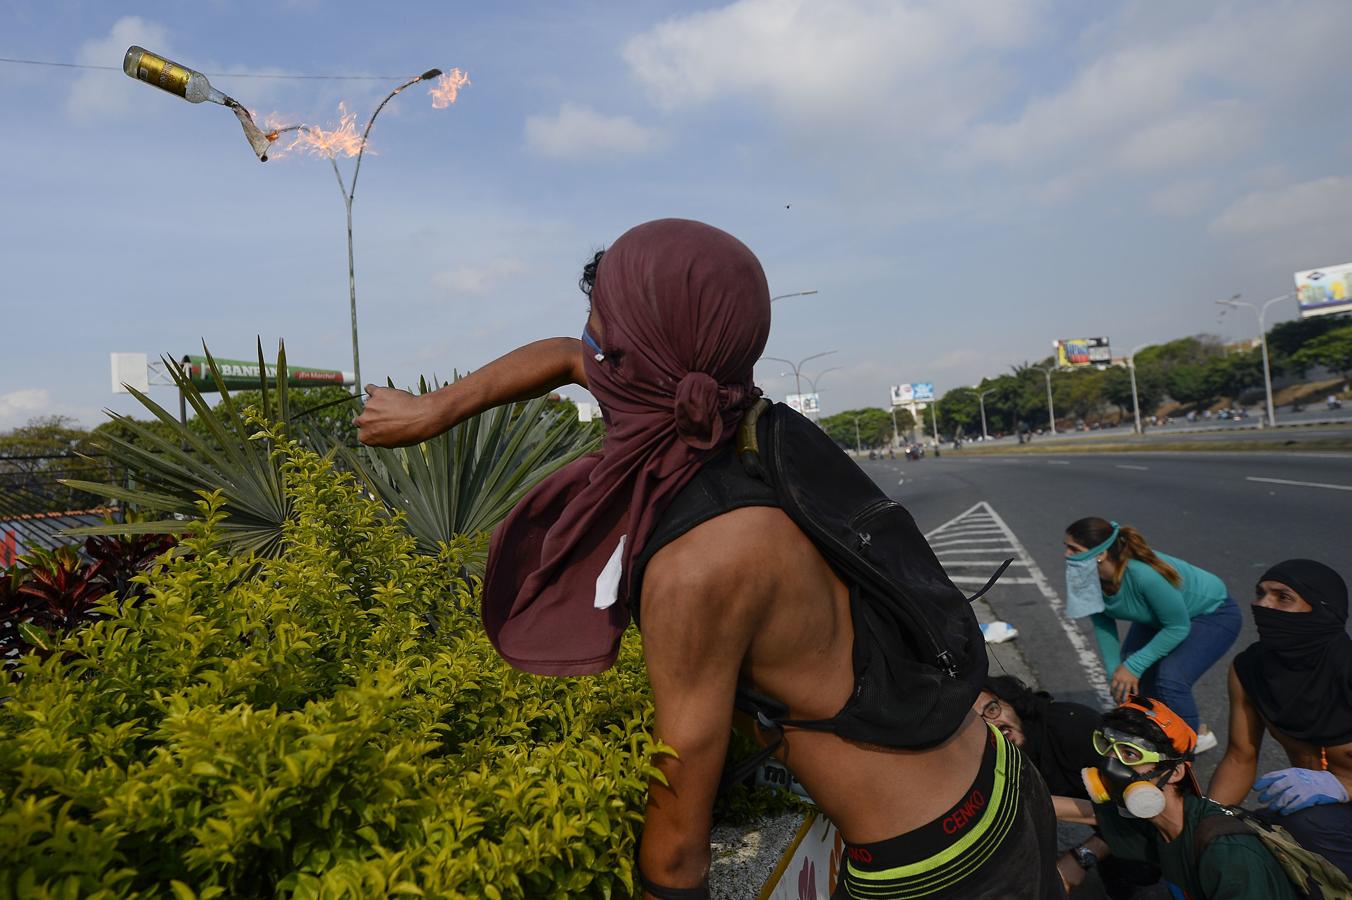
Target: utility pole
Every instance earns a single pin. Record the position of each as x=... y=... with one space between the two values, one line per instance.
x=858 y=448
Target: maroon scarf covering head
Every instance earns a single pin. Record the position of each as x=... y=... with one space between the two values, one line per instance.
x=684 y=311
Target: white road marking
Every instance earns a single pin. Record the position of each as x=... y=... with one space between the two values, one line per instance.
x=1313 y=484
x=901 y=481
x=953 y=542
x=1137 y=468
x=953 y=537
x=983 y=562
x=1058 y=462
x=948 y=552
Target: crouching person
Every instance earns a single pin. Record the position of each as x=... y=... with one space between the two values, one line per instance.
x=1147 y=806
x=1295 y=682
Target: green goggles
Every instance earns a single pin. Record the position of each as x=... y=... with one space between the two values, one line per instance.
x=1129 y=750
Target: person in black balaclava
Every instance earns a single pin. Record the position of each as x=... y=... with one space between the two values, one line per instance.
x=1295 y=682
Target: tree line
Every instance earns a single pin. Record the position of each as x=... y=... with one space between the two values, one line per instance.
x=1195 y=372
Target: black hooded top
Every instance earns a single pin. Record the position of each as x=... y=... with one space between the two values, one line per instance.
x=1299 y=672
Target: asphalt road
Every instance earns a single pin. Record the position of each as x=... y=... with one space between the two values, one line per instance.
x=1231 y=513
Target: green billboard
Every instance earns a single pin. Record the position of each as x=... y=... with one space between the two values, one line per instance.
x=239 y=374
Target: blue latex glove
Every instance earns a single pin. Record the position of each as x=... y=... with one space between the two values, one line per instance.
x=1290 y=790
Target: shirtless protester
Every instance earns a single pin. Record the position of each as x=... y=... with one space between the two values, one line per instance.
x=1295 y=682
x=733 y=601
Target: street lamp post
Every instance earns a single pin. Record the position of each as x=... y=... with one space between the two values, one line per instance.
x=981 y=398
x=349 y=193
x=798 y=369
x=858 y=448
x=794 y=294
x=1262 y=334
x=1051 y=410
x=1135 y=400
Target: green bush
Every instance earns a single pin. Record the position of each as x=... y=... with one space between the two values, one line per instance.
x=330 y=722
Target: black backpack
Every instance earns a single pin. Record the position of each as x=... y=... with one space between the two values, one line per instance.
x=919 y=655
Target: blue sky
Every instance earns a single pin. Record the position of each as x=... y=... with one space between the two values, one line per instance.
x=962 y=181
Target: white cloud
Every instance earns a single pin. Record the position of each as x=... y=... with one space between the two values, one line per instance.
x=921 y=65
x=579 y=132
x=1181 y=198
x=1205 y=135
x=1318 y=205
x=102 y=93
x=1151 y=101
x=477 y=279
x=17 y=407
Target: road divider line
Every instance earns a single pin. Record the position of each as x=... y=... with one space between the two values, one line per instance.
x=1058 y=462
x=1136 y=468
x=982 y=579
x=1313 y=484
x=1088 y=658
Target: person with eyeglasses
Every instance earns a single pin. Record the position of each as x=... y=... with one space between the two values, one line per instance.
x=1057 y=738
x=1147 y=805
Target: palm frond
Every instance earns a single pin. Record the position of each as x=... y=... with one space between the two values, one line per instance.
x=172 y=474
x=467 y=479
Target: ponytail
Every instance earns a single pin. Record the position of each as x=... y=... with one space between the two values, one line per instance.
x=1131 y=545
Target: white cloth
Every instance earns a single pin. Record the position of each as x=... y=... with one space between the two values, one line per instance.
x=608 y=582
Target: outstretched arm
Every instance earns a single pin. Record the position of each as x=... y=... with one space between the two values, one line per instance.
x=394 y=418
x=1235 y=774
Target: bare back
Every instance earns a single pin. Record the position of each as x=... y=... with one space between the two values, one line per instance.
x=782 y=605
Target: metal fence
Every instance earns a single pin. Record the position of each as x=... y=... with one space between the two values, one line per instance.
x=36 y=508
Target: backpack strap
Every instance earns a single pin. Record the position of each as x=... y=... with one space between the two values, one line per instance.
x=990 y=582
x=1213 y=827
x=748 y=442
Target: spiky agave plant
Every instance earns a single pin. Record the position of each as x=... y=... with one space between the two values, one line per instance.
x=466 y=480
x=461 y=482
x=173 y=472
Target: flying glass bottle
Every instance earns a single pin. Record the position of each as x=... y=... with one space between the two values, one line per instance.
x=167 y=75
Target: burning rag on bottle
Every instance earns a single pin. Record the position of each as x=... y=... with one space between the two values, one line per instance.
x=684 y=311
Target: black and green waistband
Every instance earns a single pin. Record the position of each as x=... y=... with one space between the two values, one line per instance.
x=937 y=856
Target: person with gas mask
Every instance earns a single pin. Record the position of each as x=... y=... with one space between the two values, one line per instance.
x=1295 y=682
x=1057 y=737
x=1147 y=805
x=1182 y=617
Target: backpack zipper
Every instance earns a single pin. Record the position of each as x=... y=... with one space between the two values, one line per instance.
x=868 y=514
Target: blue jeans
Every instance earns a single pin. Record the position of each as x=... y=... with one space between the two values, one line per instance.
x=1171 y=679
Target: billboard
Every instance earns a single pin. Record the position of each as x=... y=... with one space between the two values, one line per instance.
x=1075 y=352
x=907 y=394
x=240 y=374
x=807 y=404
x=1322 y=292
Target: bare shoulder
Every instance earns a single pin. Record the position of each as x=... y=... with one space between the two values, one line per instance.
x=732 y=561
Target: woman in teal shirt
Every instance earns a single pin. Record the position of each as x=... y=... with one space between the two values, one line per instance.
x=1182 y=617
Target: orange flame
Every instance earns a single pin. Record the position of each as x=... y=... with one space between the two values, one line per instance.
x=341 y=141
x=444 y=90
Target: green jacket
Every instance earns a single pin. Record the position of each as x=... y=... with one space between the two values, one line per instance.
x=1234 y=866
x=1147 y=597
